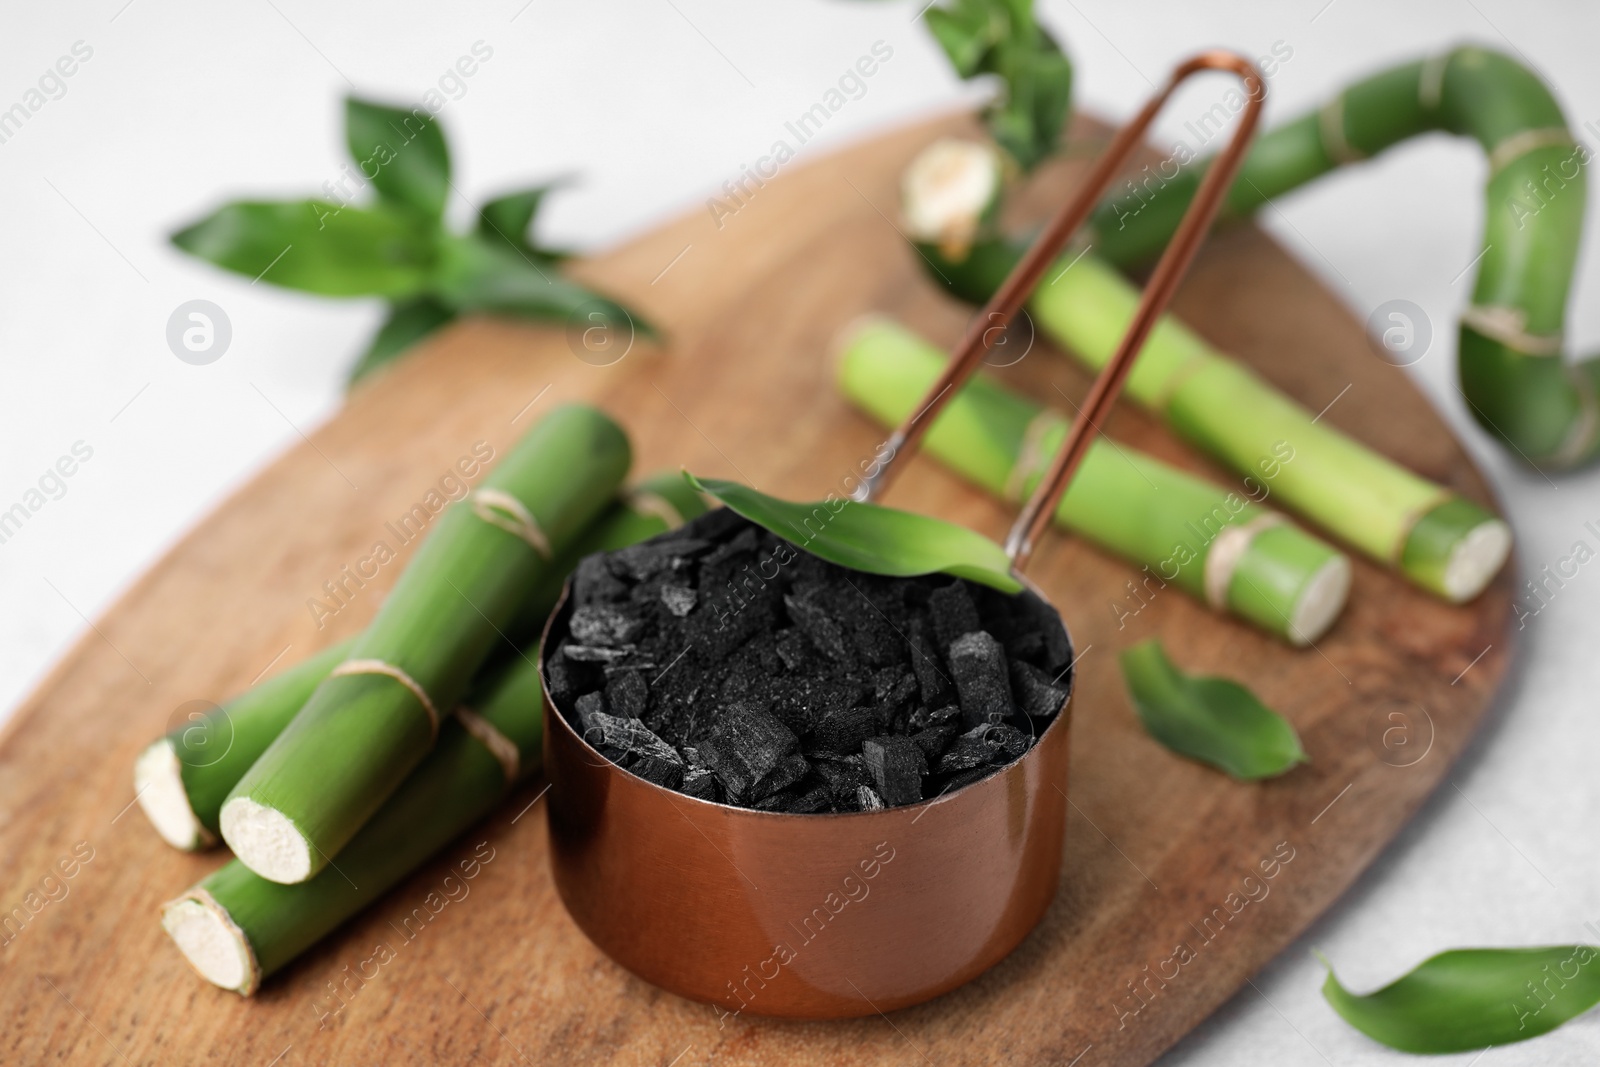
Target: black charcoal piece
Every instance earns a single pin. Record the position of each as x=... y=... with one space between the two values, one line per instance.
x=969 y=750
x=601 y=624
x=746 y=747
x=593 y=582
x=794 y=649
x=588 y=707
x=923 y=718
x=953 y=613
x=679 y=599
x=628 y=693
x=1036 y=695
x=841 y=733
x=817 y=625
x=928 y=664
x=843 y=776
x=935 y=739
x=645 y=560
x=568 y=678
x=793 y=768
x=696 y=663
x=666 y=773
x=897 y=766
x=983 y=683
x=699 y=782
x=867 y=800
x=594 y=653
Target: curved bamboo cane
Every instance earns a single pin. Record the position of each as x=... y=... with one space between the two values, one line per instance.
x=1513 y=376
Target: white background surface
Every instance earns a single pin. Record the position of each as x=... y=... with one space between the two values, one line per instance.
x=655 y=103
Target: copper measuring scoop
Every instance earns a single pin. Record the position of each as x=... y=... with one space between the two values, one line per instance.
x=837 y=915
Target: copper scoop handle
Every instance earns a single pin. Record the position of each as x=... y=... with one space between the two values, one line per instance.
x=1006 y=302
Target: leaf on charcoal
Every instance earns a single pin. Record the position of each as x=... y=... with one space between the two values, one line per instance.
x=871 y=538
x=1472 y=998
x=1212 y=720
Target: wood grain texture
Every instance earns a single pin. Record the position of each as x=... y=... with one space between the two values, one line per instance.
x=1154 y=844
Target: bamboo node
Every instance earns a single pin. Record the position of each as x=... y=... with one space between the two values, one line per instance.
x=1430 y=82
x=1032 y=456
x=1585 y=429
x=1519 y=144
x=510 y=514
x=1509 y=326
x=1226 y=552
x=499 y=745
x=1330 y=127
x=647 y=502
x=378 y=666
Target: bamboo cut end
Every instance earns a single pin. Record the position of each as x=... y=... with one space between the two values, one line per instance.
x=1476 y=559
x=1320 y=602
x=158 y=786
x=266 y=841
x=212 y=943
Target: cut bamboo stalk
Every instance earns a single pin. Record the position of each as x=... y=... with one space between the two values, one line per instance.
x=1513 y=375
x=180 y=781
x=1436 y=538
x=237 y=928
x=377 y=715
x=1215 y=544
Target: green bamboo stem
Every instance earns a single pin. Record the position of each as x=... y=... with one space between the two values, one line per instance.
x=1215 y=544
x=1439 y=540
x=237 y=928
x=376 y=716
x=1513 y=375
x=181 y=780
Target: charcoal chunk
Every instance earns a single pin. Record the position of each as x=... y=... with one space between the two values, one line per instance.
x=868 y=800
x=935 y=739
x=628 y=735
x=699 y=782
x=925 y=662
x=593 y=582
x=749 y=747
x=569 y=677
x=799 y=799
x=923 y=718
x=1036 y=694
x=954 y=613
x=679 y=599
x=646 y=559
x=601 y=624
x=893 y=686
x=594 y=653
x=628 y=693
x=794 y=650
x=950 y=783
x=984 y=746
x=591 y=708
x=983 y=683
x=841 y=732
x=844 y=776
x=663 y=772
x=819 y=627
x=897 y=766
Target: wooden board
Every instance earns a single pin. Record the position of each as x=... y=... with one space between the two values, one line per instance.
x=1154 y=844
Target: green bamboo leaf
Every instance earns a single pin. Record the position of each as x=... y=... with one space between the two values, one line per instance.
x=1472 y=998
x=408 y=322
x=1211 y=720
x=867 y=537
x=316 y=246
x=510 y=219
x=1001 y=37
x=476 y=275
x=402 y=152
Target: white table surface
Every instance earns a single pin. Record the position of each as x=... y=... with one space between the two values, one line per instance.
x=655 y=103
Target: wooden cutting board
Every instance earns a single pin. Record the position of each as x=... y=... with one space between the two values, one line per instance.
x=1157 y=850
